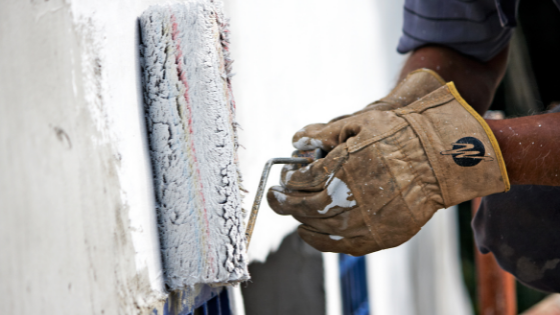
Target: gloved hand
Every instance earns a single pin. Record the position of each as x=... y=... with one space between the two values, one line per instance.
x=389 y=172
x=417 y=84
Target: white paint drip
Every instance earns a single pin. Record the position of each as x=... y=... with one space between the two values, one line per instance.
x=339 y=193
x=306 y=143
x=336 y=237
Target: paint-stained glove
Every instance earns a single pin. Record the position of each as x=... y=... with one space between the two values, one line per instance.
x=389 y=172
x=417 y=84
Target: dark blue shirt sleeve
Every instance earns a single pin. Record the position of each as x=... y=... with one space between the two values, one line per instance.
x=476 y=28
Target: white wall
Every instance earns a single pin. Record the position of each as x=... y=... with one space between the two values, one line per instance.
x=77 y=227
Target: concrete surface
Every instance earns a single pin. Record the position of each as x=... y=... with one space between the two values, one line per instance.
x=75 y=200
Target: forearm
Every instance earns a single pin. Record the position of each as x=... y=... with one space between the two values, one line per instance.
x=531 y=148
x=475 y=80
x=530 y=145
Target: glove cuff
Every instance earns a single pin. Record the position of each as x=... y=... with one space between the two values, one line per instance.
x=489 y=133
x=462 y=150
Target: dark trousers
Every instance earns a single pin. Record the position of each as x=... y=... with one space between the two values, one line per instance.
x=522 y=229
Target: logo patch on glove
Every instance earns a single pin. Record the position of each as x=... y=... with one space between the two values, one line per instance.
x=467 y=152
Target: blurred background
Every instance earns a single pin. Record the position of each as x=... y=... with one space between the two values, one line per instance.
x=77 y=223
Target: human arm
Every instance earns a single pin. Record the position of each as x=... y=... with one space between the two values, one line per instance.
x=530 y=145
x=338 y=203
x=375 y=188
x=476 y=81
x=531 y=148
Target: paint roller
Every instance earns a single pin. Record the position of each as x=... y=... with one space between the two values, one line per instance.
x=192 y=135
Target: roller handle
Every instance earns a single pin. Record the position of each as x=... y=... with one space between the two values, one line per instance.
x=298 y=157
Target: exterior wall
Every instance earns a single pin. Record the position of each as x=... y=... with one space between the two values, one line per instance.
x=77 y=227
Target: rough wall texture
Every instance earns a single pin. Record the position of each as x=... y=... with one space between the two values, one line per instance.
x=64 y=227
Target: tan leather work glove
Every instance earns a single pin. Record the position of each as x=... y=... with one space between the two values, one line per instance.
x=389 y=172
x=417 y=84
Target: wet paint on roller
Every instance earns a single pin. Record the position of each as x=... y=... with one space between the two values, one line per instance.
x=190 y=116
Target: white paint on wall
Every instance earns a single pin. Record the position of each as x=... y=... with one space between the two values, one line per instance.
x=115 y=28
x=76 y=198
